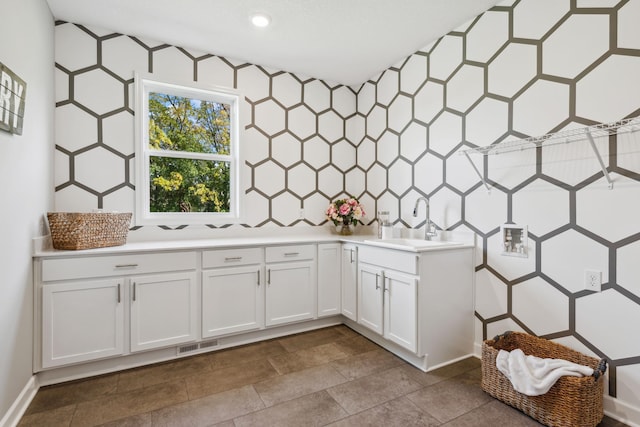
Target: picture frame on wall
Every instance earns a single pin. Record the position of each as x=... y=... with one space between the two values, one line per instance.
x=13 y=93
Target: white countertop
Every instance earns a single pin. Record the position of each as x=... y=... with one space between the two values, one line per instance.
x=42 y=248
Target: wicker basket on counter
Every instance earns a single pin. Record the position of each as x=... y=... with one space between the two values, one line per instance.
x=73 y=230
x=571 y=402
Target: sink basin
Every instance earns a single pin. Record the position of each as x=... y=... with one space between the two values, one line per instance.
x=411 y=243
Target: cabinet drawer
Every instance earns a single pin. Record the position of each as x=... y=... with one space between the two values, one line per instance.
x=388 y=258
x=290 y=253
x=231 y=257
x=116 y=265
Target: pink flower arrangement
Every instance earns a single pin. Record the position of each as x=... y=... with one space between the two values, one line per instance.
x=345 y=211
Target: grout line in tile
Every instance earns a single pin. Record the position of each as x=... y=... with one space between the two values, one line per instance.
x=462 y=415
x=275 y=368
x=75 y=410
x=261 y=399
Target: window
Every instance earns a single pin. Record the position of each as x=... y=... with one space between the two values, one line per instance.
x=187 y=154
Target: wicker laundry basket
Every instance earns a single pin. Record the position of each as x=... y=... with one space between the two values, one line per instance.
x=571 y=402
x=72 y=230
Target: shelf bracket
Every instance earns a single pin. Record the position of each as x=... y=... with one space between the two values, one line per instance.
x=605 y=172
x=484 y=182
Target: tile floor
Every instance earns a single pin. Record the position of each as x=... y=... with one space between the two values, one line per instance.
x=331 y=376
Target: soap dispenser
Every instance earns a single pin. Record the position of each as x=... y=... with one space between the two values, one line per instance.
x=385 y=228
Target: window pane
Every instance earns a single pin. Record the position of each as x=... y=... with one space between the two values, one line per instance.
x=186 y=185
x=177 y=123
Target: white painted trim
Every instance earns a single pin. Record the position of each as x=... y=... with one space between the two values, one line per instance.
x=451 y=362
x=20 y=405
x=146 y=83
x=621 y=411
x=477 y=350
x=419 y=362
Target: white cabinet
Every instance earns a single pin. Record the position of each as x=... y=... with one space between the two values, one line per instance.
x=163 y=310
x=232 y=294
x=90 y=305
x=349 y=274
x=445 y=305
x=388 y=296
x=329 y=289
x=117 y=309
x=82 y=321
x=291 y=284
x=370 y=310
x=400 y=309
x=387 y=304
x=406 y=297
x=82 y=267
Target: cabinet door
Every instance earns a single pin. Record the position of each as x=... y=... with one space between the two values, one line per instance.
x=81 y=321
x=349 y=281
x=329 y=279
x=370 y=280
x=400 y=309
x=290 y=293
x=163 y=310
x=232 y=301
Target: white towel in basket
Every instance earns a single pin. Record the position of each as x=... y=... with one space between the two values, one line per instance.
x=533 y=375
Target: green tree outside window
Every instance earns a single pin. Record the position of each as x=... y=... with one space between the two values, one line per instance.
x=183 y=125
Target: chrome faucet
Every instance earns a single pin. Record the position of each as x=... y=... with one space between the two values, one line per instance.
x=429 y=229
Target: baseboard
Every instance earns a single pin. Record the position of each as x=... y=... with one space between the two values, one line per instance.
x=477 y=350
x=621 y=411
x=20 y=405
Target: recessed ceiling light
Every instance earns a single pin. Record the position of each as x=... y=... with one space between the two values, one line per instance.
x=260 y=19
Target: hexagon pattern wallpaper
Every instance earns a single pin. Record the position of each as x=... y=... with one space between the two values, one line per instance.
x=524 y=68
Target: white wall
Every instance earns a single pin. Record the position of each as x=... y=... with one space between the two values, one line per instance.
x=525 y=68
x=26 y=184
x=292 y=128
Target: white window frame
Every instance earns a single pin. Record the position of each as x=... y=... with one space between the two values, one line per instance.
x=146 y=84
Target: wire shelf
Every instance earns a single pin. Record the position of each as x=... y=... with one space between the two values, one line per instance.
x=588 y=133
x=563 y=137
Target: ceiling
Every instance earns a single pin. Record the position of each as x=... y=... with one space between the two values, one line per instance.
x=340 y=41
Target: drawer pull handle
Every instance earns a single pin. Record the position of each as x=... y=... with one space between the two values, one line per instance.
x=134 y=291
x=377 y=285
x=258 y=277
x=232 y=258
x=126 y=265
x=291 y=253
x=269 y=276
x=118 y=293
x=351 y=254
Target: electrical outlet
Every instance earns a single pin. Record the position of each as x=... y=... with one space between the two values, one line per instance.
x=301 y=214
x=593 y=280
